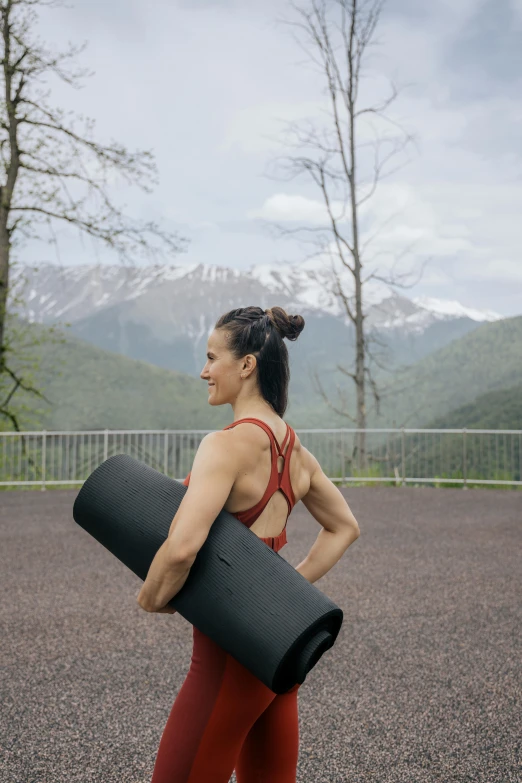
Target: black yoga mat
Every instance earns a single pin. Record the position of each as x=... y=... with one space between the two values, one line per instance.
x=239 y=592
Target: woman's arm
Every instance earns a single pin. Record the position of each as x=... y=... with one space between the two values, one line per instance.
x=325 y=553
x=166 y=576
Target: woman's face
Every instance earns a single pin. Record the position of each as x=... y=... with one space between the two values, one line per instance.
x=223 y=371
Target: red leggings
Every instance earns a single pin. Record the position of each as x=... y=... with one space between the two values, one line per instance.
x=225 y=719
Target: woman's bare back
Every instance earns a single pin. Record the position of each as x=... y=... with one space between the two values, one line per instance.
x=253 y=445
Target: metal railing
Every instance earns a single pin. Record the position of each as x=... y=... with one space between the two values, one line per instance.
x=392 y=456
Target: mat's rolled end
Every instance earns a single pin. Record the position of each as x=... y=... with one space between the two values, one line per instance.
x=311 y=653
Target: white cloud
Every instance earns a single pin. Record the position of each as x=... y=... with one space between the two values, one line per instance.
x=457 y=222
x=285 y=207
x=496 y=269
x=204 y=224
x=207 y=94
x=516 y=5
x=260 y=127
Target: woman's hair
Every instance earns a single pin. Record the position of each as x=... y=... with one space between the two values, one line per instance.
x=261 y=332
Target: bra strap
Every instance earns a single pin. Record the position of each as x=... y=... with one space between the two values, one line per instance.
x=264 y=424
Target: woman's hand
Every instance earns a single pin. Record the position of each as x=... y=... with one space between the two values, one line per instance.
x=167 y=610
x=164 y=609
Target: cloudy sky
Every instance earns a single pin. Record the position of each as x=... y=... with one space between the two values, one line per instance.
x=211 y=85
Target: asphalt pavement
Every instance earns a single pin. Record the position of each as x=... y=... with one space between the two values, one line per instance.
x=423 y=684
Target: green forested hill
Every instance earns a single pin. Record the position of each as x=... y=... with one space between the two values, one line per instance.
x=498 y=410
x=493 y=455
x=487 y=359
x=90 y=388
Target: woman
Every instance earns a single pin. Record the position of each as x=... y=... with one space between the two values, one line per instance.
x=224 y=718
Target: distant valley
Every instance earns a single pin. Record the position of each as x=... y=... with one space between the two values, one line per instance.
x=137 y=340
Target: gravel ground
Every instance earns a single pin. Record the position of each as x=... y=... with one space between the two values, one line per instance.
x=423 y=683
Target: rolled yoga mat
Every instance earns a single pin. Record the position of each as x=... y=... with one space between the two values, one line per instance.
x=239 y=592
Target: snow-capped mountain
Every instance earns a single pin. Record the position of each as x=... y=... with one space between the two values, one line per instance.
x=450 y=308
x=162 y=316
x=187 y=299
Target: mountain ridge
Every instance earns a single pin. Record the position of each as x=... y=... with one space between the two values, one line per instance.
x=94 y=287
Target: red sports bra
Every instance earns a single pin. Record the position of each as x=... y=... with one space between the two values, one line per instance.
x=277 y=481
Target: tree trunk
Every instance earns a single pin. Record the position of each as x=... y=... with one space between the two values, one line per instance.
x=360 y=353
x=4 y=281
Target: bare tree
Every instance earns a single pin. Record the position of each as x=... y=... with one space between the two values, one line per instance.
x=52 y=170
x=335 y=163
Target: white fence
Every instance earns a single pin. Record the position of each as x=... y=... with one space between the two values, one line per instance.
x=396 y=456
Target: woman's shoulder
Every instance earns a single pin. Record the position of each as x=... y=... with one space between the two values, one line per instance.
x=248 y=432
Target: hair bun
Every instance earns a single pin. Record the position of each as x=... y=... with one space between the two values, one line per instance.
x=289 y=326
